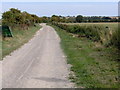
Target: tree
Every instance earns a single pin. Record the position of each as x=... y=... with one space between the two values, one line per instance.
x=71 y=19
x=55 y=18
x=79 y=18
x=44 y=19
x=15 y=17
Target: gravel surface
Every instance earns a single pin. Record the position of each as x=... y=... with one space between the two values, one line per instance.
x=40 y=63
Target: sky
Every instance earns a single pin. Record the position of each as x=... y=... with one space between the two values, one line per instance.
x=64 y=7
x=60 y=0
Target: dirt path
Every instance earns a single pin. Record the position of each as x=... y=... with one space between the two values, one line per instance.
x=38 y=64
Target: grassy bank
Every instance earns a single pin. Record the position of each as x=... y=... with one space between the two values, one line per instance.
x=110 y=25
x=93 y=65
x=20 y=37
x=0 y=47
x=106 y=35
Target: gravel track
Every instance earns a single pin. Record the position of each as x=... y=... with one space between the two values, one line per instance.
x=40 y=63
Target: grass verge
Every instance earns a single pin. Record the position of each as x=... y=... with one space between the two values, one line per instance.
x=0 y=47
x=20 y=37
x=94 y=66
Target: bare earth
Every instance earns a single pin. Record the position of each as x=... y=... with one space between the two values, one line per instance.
x=38 y=64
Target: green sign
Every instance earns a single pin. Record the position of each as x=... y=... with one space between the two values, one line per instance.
x=6 y=31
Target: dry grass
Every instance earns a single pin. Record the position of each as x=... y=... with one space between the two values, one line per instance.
x=20 y=37
x=94 y=65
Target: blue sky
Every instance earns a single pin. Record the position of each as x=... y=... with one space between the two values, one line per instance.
x=108 y=8
x=60 y=0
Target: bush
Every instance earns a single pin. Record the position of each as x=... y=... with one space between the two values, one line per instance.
x=89 y=31
x=94 y=33
x=115 y=40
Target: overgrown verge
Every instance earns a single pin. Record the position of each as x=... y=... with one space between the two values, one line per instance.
x=94 y=66
x=20 y=37
x=23 y=25
x=0 y=47
x=103 y=35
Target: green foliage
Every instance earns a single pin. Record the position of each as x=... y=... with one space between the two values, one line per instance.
x=93 y=67
x=91 y=32
x=44 y=19
x=79 y=18
x=55 y=18
x=115 y=40
x=15 y=17
x=20 y=37
x=97 y=33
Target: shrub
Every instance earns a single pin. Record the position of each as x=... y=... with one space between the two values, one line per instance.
x=94 y=33
x=90 y=32
x=115 y=40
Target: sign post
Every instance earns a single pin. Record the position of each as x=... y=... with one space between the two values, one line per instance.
x=6 y=31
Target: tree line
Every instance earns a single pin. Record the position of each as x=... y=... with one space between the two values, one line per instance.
x=78 y=19
x=15 y=17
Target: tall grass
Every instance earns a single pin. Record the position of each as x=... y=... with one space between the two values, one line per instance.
x=115 y=40
x=93 y=67
x=19 y=38
x=97 y=33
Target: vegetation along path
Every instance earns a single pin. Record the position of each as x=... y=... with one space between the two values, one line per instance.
x=38 y=64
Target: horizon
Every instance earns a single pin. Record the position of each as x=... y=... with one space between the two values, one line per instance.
x=65 y=8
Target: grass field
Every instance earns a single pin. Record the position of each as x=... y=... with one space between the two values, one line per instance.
x=19 y=38
x=93 y=66
x=110 y=25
